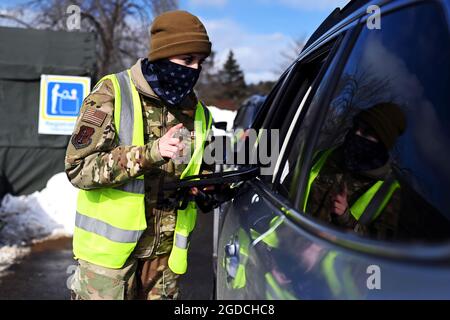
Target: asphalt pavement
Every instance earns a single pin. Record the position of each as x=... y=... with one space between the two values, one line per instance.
x=43 y=274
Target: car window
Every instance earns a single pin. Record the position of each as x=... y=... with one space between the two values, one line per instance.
x=247 y=112
x=269 y=102
x=242 y=143
x=303 y=117
x=387 y=125
x=302 y=77
x=295 y=97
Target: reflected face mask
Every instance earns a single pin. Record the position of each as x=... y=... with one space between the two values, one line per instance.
x=361 y=154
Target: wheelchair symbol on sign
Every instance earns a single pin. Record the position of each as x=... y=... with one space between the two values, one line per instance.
x=64 y=102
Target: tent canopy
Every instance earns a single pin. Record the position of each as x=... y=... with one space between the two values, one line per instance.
x=28 y=159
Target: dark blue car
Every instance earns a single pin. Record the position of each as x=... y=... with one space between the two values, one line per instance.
x=268 y=246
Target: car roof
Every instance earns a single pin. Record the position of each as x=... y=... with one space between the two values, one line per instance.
x=334 y=18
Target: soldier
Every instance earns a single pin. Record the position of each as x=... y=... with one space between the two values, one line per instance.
x=345 y=181
x=122 y=152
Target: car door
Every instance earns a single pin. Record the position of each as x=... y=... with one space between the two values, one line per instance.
x=293 y=255
x=244 y=269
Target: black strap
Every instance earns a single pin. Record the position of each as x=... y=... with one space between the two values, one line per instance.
x=218 y=178
x=377 y=200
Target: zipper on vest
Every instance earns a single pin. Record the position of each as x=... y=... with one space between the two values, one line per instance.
x=157 y=231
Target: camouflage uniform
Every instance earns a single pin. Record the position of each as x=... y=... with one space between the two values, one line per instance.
x=94 y=160
x=330 y=182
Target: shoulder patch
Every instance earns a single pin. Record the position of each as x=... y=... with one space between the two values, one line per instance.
x=95 y=117
x=83 y=138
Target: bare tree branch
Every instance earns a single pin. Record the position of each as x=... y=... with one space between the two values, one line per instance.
x=15 y=19
x=290 y=54
x=122 y=25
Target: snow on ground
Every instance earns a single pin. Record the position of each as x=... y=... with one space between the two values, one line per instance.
x=220 y=115
x=9 y=254
x=43 y=214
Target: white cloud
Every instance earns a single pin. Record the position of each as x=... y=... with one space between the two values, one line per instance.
x=312 y=5
x=211 y=3
x=258 y=54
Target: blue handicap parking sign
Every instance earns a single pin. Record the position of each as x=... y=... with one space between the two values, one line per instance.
x=64 y=99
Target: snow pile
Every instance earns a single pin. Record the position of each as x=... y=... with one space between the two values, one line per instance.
x=50 y=212
x=220 y=115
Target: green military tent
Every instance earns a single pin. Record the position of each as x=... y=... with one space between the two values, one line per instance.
x=29 y=159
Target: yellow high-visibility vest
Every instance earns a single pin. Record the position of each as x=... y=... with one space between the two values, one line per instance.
x=110 y=221
x=360 y=205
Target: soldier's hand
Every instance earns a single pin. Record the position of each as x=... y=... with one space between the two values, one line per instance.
x=169 y=147
x=195 y=191
x=339 y=202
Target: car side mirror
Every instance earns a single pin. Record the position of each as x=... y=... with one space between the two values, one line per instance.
x=221 y=178
x=221 y=125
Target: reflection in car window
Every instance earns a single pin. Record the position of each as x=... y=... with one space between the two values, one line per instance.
x=268 y=102
x=290 y=167
x=301 y=92
x=248 y=111
x=404 y=68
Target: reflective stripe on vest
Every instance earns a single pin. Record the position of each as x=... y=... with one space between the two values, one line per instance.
x=358 y=208
x=135 y=186
x=106 y=230
x=274 y=291
x=269 y=236
x=339 y=277
x=131 y=133
x=181 y=241
x=186 y=218
x=110 y=221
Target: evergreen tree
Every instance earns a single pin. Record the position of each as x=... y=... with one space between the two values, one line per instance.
x=232 y=81
x=226 y=87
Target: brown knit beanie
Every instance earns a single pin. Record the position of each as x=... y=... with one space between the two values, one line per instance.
x=176 y=33
x=387 y=120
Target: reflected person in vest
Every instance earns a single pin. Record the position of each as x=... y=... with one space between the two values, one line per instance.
x=130 y=242
x=351 y=176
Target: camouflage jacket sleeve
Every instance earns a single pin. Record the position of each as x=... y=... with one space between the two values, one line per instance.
x=94 y=158
x=346 y=220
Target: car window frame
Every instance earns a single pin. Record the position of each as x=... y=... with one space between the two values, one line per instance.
x=329 y=87
x=290 y=74
x=268 y=106
x=343 y=48
x=418 y=252
x=330 y=48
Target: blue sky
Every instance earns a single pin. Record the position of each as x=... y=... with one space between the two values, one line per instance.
x=291 y=17
x=256 y=30
x=259 y=30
